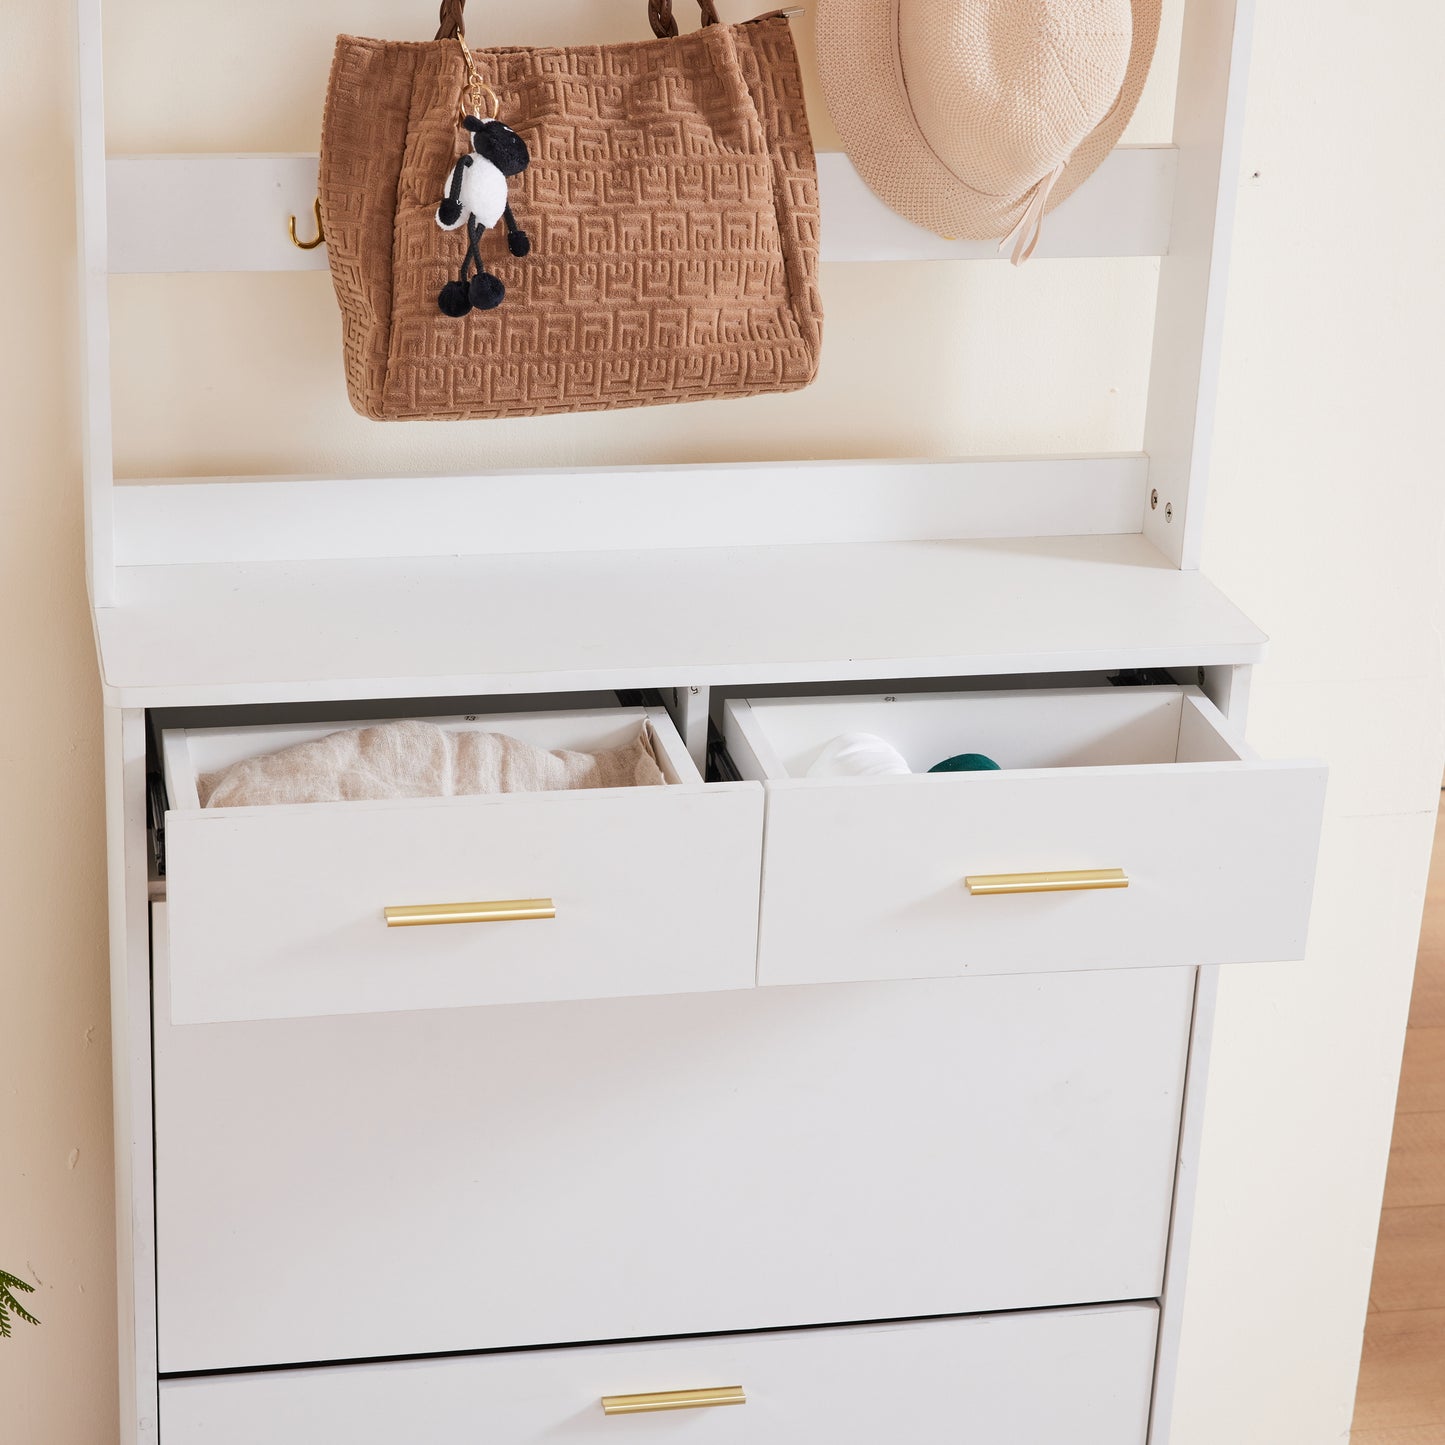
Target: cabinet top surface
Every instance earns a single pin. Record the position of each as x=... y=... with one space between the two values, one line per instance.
x=472 y=625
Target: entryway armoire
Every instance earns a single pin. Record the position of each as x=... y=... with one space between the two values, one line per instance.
x=789 y=1109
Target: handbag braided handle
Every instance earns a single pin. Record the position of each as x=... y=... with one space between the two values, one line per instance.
x=450 y=23
x=663 y=25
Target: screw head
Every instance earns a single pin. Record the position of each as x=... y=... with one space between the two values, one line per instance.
x=1168 y=511
x=1153 y=499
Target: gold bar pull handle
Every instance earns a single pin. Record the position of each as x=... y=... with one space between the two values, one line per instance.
x=673 y=1400
x=1080 y=881
x=507 y=910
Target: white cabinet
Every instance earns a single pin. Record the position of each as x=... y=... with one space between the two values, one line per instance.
x=404 y=1183
x=888 y=877
x=948 y=1108
x=1075 y=1376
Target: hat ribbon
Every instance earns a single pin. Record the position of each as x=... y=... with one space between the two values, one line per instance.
x=1025 y=235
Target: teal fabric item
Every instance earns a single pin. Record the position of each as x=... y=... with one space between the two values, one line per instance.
x=966 y=763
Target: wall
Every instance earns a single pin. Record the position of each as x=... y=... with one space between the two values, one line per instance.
x=1325 y=524
x=57 y=1385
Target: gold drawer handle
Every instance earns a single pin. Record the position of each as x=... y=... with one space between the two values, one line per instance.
x=509 y=910
x=673 y=1400
x=1077 y=882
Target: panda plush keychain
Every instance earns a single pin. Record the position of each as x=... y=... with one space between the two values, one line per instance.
x=476 y=193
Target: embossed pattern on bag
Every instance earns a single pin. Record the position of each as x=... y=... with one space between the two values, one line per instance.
x=671 y=202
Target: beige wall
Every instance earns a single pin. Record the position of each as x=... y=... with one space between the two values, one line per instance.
x=1325 y=524
x=56 y=1383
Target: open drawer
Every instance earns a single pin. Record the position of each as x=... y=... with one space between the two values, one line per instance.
x=281 y=911
x=1081 y=1376
x=1127 y=827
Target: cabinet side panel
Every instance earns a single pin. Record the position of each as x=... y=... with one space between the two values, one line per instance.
x=125 y=768
x=1189 y=314
x=1181 y=1225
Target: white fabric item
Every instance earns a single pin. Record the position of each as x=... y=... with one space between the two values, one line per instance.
x=418 y=759
x=858 y=755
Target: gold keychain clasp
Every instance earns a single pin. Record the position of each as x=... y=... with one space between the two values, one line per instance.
x=476 y=91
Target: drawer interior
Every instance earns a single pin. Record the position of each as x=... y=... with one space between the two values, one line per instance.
x=781 y=738
x=189 y=753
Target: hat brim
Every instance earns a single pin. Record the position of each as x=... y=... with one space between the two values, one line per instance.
x=862 y=73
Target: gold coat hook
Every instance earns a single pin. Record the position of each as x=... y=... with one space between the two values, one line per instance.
x=320 y=233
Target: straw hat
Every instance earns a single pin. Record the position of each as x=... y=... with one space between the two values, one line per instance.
x=976 y=117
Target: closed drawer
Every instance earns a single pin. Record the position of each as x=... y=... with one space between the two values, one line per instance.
x=870 y=877
x=409 y=1183
x=1078 y=1376
x=278 y=912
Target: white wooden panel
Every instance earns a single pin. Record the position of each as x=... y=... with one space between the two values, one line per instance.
x=1123 y=211
x=688 y=708
x=211 y=213
x=595 y=509
x=863 y=877
x=1189 y=315
x=130 y=1054
x=1203 y=737
x=276 y=912
x=229 y=213
x=465 y=626
x=637 y=1167
x=1186 y=1192
x=1080 y=1376
x=1228 y=688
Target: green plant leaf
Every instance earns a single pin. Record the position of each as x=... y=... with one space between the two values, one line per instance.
x=9 y=1284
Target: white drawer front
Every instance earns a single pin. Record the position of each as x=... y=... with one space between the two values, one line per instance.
x=864 y=877
x=407 y=1183
x=278 y=912
x=1076 y=1376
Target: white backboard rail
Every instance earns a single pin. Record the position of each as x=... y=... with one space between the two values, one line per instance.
x=180 y=213
x=608 y=509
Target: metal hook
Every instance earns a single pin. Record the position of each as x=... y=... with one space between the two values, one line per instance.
x=320 y=233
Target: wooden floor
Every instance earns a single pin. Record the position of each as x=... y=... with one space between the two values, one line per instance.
x=1401 y=1398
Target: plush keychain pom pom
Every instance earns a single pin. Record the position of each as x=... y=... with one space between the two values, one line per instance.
x=966 y=763
x=453 y=299
x=486 y=291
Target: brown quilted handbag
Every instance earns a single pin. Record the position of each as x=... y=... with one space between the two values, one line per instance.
x=671 y=202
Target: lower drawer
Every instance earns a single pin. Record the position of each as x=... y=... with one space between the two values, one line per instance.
x=1081 y=1376
x=379 y=1185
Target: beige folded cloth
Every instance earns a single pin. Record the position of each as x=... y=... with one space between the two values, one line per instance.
x=421 y=760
